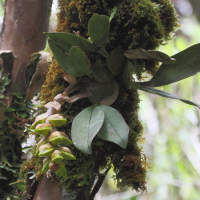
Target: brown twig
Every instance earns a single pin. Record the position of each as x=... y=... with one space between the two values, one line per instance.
x=98 y=184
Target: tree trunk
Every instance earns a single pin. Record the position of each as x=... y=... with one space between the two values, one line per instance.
x=22 y=33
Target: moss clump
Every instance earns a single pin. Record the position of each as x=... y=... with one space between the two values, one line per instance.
x=136 y=24
x=54 y=83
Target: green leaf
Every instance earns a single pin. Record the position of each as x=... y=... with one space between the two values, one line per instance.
x=103 y=93
x=67 y=40
x=20 y=104
x=2 y=115
x=151 y=54
x=114 y=128
x=1 y=70
x=187 y=64
x=10 y=117
x=116 y=61
x=85 y=127
x=21 y=114
x=127 y=73
x=10 y=109
x=67 y=156
x=57 y=122
x=78 y=60
x=7 y=168
x=103 y=52
x=5 y=81
x=98 y=29
x=57 y=159
x=63 y=59
x=45 y=167
x=18 y=95
x=113 y=13
x=101 y=73
x=62 y=170
x=162 y=93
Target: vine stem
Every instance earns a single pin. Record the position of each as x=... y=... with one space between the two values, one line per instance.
x=98 y=184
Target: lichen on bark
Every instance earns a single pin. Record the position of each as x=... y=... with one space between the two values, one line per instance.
x=136 y=24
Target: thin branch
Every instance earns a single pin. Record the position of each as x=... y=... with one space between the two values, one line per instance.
x=98 y=184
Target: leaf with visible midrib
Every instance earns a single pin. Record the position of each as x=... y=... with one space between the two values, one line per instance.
x=78 y=61
x=85 y=127
x=98 y=29
x=114 y=128
x=67 y=40
x=63 y=59
x=187 y=64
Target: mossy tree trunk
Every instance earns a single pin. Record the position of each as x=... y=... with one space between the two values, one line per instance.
x=136 y=24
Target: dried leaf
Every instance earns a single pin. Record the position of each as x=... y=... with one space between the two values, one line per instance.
x=39 y=76
x=151 y=55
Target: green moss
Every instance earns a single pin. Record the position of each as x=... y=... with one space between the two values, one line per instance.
x=137 y=23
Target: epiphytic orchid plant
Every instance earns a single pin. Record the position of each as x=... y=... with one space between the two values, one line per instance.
x=98 y=83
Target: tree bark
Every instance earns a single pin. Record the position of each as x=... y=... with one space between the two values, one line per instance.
x=22 y=33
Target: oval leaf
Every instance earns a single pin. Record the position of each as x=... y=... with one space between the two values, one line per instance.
x=85 y=126
x=67 y=40
x=63 y=59
x=114 y=128
x=187 y=64
x=78 y=60
x=98 y=29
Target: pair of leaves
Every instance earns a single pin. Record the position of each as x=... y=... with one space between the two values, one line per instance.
x=68 y=48
x=187 y=64
x=75 y=63
x=100 y=120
